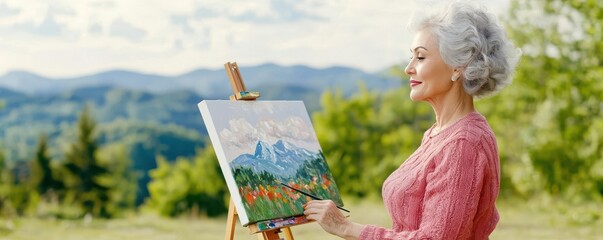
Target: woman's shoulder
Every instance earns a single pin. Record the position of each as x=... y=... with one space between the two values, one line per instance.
x=473 y=128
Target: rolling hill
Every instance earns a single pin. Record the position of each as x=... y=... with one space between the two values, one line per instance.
x=149 y=114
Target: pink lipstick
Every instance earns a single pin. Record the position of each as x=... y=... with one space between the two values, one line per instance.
x=414 y=83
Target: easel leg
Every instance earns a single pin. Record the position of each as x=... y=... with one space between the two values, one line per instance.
x=269 y=235
x=288 y=233
x=231 y=221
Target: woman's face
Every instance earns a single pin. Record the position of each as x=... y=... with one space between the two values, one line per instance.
x=430 y=77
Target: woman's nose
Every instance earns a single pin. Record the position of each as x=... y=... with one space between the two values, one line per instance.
x=410 y=69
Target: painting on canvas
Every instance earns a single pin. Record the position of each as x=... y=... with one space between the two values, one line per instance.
x=260 y=143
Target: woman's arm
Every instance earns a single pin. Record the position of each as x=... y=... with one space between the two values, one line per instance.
x=452 y=197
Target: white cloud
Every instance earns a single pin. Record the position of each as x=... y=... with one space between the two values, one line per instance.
x=241 y=136
x=276 y=11
x=121 y=28
x=71 y=37
x=7 y=11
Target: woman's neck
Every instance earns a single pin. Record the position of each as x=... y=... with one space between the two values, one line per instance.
x=451 y=107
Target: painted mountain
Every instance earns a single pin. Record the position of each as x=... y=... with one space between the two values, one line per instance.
x=262 y=143
x=282 y=159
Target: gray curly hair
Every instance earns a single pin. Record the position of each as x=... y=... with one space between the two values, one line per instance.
x=469 y=38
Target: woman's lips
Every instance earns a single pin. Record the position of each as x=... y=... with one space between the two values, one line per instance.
x=414 y=83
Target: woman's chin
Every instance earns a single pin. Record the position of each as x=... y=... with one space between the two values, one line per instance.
x=415 y=97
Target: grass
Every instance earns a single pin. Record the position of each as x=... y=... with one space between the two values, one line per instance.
x=518 y=221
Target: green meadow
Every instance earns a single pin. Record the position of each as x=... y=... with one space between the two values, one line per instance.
x=519 y=220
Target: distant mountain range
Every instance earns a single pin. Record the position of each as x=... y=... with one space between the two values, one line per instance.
x=207 y=82
x=282 y=159
x=151 y=115
x=35 y=104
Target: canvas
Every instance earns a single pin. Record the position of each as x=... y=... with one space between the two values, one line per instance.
x=258 y=144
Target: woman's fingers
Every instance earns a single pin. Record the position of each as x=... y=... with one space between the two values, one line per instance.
x=325 y=212
x=313 y=209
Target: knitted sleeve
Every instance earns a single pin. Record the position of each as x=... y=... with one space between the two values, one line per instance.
x=452 y=195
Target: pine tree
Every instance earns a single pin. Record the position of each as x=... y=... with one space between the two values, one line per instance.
x=86 y=172
x=43 y=176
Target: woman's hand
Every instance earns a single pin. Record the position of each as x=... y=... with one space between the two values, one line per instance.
x=326 y=213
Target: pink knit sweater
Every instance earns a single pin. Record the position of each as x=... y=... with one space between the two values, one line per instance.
x=447 y=188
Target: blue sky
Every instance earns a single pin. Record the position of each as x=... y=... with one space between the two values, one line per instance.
x=66 y=38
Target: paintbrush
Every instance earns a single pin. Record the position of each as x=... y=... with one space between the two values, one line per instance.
x=307 y=194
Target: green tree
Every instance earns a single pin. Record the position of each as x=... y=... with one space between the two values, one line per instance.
x=551 y=116
x=209 y=187
x=165 y=190
x=43 y=177
x=5 y=185
x=189 y=186
x=15 y=197
x=122 y=178
x=87 y=184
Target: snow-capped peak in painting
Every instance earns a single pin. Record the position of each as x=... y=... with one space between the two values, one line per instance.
x=281 y=159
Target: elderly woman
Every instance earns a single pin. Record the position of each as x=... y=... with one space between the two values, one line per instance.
x=448 y=187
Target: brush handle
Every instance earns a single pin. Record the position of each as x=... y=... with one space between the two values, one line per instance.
x=310 y=195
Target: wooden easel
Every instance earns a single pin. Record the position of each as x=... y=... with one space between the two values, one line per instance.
x=268 y=230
